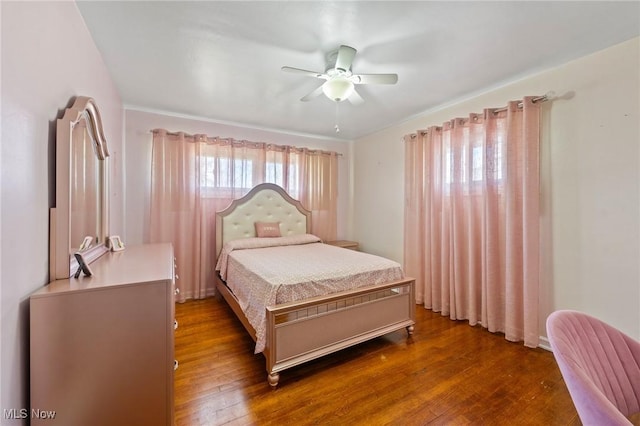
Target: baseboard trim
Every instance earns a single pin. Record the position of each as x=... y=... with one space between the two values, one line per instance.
x=544 y=344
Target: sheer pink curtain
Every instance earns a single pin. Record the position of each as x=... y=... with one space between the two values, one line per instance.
x=471 y=219
x=315 y=184
x=192 y=177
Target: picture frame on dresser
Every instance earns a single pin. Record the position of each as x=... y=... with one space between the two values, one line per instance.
x=115 y=243
x=83 y=266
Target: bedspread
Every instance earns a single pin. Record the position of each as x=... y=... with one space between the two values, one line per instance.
x=266 y=276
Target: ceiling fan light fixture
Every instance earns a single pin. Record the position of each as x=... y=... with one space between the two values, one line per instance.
x=338 y=88
x=339 y=79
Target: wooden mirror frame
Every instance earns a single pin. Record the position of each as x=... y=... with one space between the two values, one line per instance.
x=62 y=262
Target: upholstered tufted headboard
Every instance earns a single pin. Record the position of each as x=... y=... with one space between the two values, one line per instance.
x=266 y=202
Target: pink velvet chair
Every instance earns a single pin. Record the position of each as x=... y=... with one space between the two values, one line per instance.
x=600 y=365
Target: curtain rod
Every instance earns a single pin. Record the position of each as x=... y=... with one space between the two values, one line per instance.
x=542 y=98
x=283 y=147
x=546 y=97
x=188 y=135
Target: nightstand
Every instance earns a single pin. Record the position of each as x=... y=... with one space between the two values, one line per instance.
x=352 y=245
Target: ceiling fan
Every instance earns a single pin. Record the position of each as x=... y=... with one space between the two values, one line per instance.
x=340 y=80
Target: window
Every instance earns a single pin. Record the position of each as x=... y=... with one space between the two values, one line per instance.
x=483 y=161
x=215 y=173
x=219 y=176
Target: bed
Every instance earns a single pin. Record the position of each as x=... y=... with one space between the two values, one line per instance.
x=312 y=307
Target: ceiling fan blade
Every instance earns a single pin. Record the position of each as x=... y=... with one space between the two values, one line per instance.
x=305 y=72
x=345 y=58
x=356 y=99
x=374 y=78
x=317 y=92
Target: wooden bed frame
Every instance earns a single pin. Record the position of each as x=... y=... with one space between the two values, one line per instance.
x=298 y=332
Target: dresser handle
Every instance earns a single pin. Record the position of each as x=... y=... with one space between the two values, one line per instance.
x=176 y=291
x=175 y=364
x=177 y=277
x=175 y=324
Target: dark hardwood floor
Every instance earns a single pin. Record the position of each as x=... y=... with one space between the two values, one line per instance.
x=448 y=373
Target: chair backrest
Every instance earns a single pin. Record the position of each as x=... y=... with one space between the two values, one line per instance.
x=600 y=365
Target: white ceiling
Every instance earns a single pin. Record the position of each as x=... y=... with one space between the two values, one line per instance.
x=221 y=60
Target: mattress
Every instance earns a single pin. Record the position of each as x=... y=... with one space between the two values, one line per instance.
x=265 y=272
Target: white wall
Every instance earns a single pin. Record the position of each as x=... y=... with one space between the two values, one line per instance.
x=590 y=195
x=48 y=57
x=138 y=162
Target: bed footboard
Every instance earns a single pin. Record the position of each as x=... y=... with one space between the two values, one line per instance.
x=301 y=331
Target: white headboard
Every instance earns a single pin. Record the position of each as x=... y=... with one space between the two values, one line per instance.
x=266 y=202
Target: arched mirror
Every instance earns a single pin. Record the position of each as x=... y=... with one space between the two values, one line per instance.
x=79 y=222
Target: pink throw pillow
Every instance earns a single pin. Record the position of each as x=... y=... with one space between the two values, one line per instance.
x=267 y=229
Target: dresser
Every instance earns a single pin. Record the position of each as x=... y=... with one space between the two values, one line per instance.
x=102 y=347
